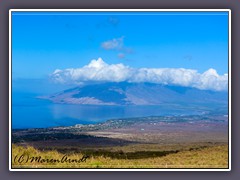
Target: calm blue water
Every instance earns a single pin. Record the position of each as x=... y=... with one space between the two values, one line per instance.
x=31 y=112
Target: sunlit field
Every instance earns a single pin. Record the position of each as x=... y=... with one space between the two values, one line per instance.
x=209 y=157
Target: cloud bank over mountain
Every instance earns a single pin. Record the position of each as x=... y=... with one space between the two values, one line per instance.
x=100 y=71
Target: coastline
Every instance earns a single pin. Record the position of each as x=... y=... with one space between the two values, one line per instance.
x=131 y=140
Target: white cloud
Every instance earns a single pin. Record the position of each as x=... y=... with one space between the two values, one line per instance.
x=98 y=70
x=116 y=43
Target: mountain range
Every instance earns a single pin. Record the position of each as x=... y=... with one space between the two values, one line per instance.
x=125 y=93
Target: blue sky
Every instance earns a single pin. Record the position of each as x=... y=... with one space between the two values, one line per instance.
x=45 y=41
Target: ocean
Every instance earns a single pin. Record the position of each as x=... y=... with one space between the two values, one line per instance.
x=28 y=111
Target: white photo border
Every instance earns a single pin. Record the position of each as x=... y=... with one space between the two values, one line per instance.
x=119 y=10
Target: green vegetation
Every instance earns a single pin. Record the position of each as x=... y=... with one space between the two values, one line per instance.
x=202 y=157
